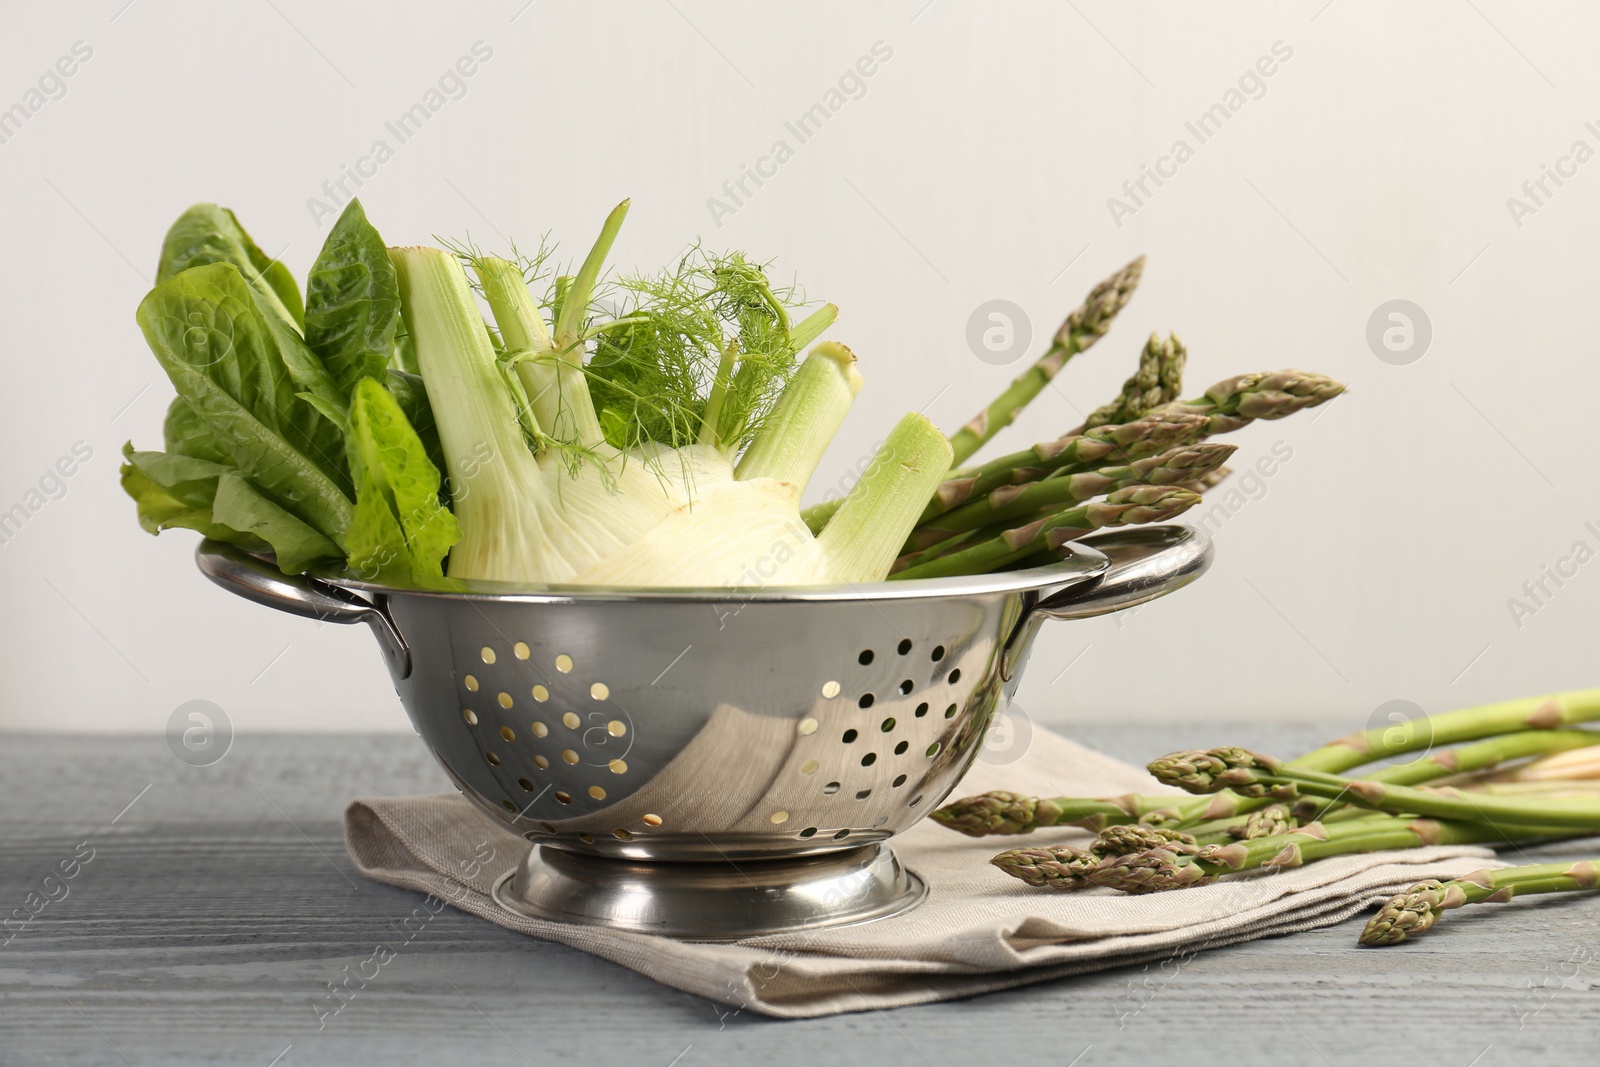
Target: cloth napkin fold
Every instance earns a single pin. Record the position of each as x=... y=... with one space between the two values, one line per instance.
x=978 y=931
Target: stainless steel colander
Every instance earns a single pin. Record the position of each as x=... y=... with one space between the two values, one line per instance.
x=717 y=763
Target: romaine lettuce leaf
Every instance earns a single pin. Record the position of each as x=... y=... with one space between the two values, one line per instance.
x=352 y=302
x=185 y=434
x=231 y=365
x=185 y=503
x=412 y=396
x=240 y=506
x=206 y=234
x=401 y=531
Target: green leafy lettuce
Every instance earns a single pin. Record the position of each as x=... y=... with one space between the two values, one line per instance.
x=284 y=435
x=401 y=531
x=352 y=302
x=206 y=234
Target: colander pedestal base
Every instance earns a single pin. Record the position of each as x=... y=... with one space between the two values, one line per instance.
x=711 y=901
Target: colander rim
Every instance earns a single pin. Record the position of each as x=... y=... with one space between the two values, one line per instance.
x=1084 y=563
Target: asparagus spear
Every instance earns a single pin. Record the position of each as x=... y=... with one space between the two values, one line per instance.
x=1082 y=328
x=1230 y=404
x=1565 y=766
x=1418 y=908
x=1049 y=867
x=1254 y=775
x=1173 y=361
x=1548 y=712
x=951 y=545
x=1270 y=821
x=1001 y=812
x=1464 y=760
x=1178 y=866
x=1065 y=867
x=1545 y=713
x=1173 y=467
x=1161 y=869
x=1156 y=382
x=1260 y=395
x=1485 y=754
x=1121 y=443
x=1127 y=840
x=1140 y=393
x=1532 y=718
x=1126 y=507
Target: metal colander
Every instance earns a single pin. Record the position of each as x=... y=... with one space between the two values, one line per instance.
x=668 y=738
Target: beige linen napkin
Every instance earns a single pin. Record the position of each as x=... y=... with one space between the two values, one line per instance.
x=978 y=931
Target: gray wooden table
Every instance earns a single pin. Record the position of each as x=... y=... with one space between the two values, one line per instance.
x=218 y=904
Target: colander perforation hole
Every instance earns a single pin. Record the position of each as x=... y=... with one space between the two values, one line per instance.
x=905 y=646
x=527 y=786
x=955 y=676
x=922 y=709
x=933 y=749
x=950 y=712
x=494 y=761
x=865 y=657
x=562 y=796
x=866 y=700
x=810 y=831
x=841 y=835
x=469 y=715
x=848 y=737
x=899 y=781
x=652 y=820
x=900 y=749
x=906 y=687
x=938 y=653
x=887 y=725
x=508 y=805
x=869 y=759
x=914 y=801
x=831 y=788
x=862 y=794
x=508 y=733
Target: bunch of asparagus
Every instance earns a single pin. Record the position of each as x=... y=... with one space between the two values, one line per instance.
x=1142 y=457
x=1520 y=771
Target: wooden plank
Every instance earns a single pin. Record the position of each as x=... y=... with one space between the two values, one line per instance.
x=217 y=908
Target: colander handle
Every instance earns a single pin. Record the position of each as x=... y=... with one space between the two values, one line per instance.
x=1146 y=562
x=257 y=580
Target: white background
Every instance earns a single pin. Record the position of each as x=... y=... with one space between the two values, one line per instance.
x=1377 y=565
